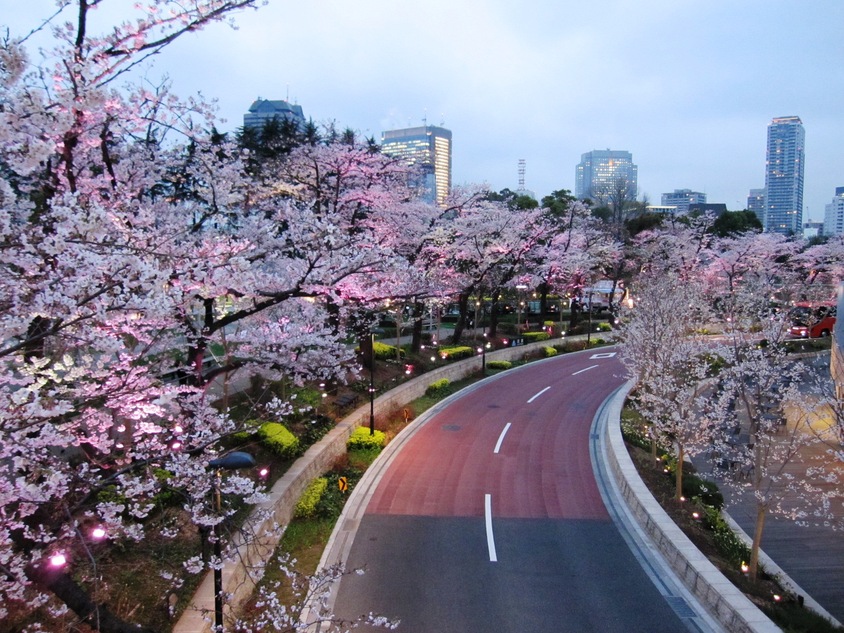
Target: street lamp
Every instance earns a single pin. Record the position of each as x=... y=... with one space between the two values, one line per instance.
x=233 y=461
x=372 y=388
x=482 y=350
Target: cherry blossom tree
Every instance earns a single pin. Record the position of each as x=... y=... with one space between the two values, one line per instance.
x=134 y=248
x=668 y=359
x=769 y=444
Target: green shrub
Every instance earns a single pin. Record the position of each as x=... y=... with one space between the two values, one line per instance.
x=307 y=504
x=533 y=337
x=437 y=386
x=279 y=440
x=499 y=364
x=730 y=545
x=456 y=352
x=315 y=428
x=706 y=491
x=385 y=352
x=604 y=327
x=307 y=398
x=549 y=352
x=361 y=439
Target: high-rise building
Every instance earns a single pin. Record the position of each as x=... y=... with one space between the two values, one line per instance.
x=833 y=219
x=756 y=203
x=428 y=148
x=263 y=110
x=784 y=176
x=601 y=173
x=680 y=199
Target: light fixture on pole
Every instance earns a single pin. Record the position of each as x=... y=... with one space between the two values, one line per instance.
x=372 y=387
x=232 y=461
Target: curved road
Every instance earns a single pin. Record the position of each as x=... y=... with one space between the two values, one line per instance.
x=489 y=518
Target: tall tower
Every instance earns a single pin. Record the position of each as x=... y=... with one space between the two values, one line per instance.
x=600 y=172
x=784 y=176
x=428 y=148
x=263 y=110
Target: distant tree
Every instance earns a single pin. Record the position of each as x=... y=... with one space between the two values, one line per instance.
x=736 y=222
x=644 y=222
x=514 y=199
x=619 y=197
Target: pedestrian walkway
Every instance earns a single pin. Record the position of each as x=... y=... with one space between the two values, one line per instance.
x=811 y=556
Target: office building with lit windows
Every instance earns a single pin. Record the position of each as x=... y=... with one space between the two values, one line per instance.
x=784 y=176
x=427 y=148
x=600 y=172
x=680 y=199
x=756 y=203
x=263 y=110
x=833 y=219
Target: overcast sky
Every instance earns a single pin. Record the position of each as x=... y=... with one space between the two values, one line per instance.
x=688 y=87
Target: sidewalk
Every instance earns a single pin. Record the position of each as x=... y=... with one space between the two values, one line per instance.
x=812 y=557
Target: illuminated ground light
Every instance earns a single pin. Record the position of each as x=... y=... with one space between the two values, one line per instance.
x=58 y=560
x=98 y=533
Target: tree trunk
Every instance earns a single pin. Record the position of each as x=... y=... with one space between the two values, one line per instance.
x=97 y=616
x=418 y=316
x=761 y=511
x=493 y=314
x=678 y=473
x=463 y=307
x=543 y=304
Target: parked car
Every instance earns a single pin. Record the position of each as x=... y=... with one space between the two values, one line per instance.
x=812 y=320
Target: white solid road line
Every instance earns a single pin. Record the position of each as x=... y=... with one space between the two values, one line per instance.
x=586 y=369
x=501 y=438
x=536 y=395
x=490 y=541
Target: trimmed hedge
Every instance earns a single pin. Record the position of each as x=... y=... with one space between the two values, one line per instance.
x=549 y=352
x=277 y=438
x=385 y=352
x=437 y=386
x=499 y=364
x=456 y=352
x=308 y=502
x=533 y=337
x=360 y=439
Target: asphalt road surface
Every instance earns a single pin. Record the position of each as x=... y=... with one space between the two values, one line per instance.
x=489 y=518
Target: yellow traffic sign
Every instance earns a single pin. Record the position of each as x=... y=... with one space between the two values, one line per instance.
x=343 y=483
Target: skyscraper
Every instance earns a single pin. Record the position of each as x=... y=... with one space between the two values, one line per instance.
x=784 y=176
x=263 y=110
x=681 y=199
x=756 y=203
x=600 y=172
x=428 y=148
x=833 y=219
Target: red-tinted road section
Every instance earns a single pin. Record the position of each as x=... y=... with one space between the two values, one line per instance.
x=542 y=469
x=547 y=557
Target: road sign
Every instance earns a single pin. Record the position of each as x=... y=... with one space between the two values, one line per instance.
x=343 y=483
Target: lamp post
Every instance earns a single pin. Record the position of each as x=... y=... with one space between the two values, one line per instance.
x=484 y=345
x=589 y=329
x=233 y=461
x=372 y=388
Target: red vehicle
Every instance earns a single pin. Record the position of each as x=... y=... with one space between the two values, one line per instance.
x=812 y=320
